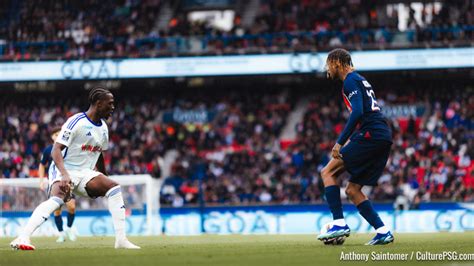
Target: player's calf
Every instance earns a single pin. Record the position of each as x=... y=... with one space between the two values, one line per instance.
x=331 y=171
x=103 y=186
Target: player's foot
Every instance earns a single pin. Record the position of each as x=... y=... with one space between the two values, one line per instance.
x=381 y=239
x=124 y=243
x=61 y=238
x=22 y=243
x=335 y=231
x=71 y=234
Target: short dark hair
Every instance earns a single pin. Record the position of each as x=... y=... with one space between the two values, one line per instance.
x=341 y=55
x=97 y=93
x=55 y=130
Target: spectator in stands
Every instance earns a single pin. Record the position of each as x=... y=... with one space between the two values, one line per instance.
x=49 y=29
x=237 y=154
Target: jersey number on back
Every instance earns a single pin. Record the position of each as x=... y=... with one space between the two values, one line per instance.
x=371 y=94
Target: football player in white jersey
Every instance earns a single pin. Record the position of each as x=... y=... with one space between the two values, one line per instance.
x=78 y=164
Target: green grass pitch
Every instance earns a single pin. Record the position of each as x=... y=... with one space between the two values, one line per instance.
x=239 y=250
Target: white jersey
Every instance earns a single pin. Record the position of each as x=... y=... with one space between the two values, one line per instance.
x=84 y=139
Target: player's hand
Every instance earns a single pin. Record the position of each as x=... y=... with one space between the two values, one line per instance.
x=66 y=179
x=66 y=186
x=335 y=151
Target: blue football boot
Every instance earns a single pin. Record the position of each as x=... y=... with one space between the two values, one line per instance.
x=381 y=239
x=335 y=231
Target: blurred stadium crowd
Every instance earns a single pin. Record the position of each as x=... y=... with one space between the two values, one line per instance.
x=69 y=29
x=231 y=140
x=238 y=153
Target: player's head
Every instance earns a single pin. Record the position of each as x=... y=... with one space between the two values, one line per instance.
x=55 y=133
x=338 y=62
x=102 y=100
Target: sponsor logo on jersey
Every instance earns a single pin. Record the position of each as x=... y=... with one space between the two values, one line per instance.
x=90 y=148
x=89 y=134
x=352 y=94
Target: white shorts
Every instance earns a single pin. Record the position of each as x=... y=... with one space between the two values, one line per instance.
x=79 y=178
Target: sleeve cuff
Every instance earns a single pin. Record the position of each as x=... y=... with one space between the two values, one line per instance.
x=63 y=143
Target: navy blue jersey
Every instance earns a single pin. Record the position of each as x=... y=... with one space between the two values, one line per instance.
x=359 y=98
x=46 y=157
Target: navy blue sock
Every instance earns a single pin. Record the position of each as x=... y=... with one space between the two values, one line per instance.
x=369 y=214
x=58 y=220
x=333 y=197
x=70 y=219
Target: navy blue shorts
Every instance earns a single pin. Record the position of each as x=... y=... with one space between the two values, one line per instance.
x=365 y=160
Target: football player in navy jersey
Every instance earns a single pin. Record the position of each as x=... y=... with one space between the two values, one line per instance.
x=71 y=204
x=362 y=151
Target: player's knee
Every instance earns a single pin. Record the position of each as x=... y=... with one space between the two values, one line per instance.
x=60 y=190
x=113 y=184
x=113 y=190
x=351 y=192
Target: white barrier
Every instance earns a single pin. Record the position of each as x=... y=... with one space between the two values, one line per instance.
x=232 y=65
x=258 y=222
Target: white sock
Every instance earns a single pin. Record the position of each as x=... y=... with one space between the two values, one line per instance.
x=382 y=230
x=41 y=214
x=339 y=222
x=117 y=210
